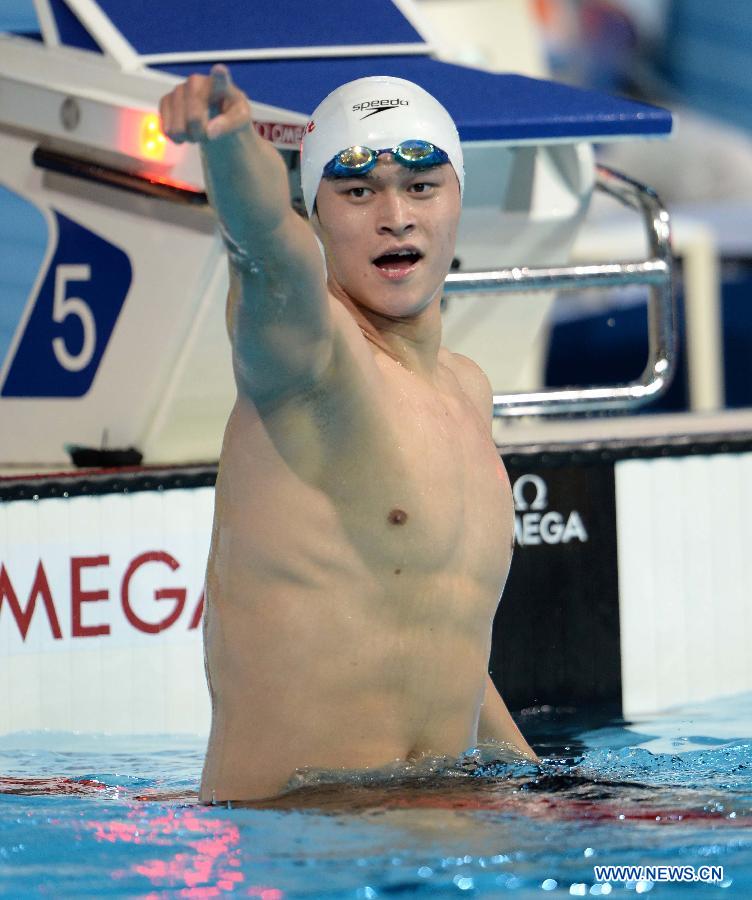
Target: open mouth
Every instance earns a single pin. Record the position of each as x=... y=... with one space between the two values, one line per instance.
x=398 y=261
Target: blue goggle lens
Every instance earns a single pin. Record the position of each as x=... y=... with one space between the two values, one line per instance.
x=418 y=153
x=355 y=158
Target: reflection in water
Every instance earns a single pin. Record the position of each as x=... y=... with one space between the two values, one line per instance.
x=209 y=865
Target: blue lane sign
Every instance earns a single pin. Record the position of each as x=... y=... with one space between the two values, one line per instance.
x=73 y=317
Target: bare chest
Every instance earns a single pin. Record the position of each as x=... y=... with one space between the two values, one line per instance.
x=421 y=487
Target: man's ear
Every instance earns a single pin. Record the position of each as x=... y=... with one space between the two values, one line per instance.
x=314 y=220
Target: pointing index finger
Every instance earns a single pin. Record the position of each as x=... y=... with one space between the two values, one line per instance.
x=221 y=82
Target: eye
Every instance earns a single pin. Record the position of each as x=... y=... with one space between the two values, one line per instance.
x=358 y=193
x=422 y=187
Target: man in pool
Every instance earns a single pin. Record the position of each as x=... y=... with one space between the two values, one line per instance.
x=363 y=525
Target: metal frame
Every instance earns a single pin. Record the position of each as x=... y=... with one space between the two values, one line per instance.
x=655 y=272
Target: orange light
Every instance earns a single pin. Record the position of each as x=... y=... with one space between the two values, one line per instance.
x=152 y=142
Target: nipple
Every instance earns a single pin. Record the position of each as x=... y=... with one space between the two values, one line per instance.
x=398 y=517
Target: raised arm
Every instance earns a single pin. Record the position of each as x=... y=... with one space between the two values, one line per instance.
x=278 y=312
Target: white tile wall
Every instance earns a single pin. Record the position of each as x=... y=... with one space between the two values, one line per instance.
x=684 y=530
x=126 y=681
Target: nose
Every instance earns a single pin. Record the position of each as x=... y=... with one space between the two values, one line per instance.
x=396 y=215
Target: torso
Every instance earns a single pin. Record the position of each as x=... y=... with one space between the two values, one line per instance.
x=362 y=537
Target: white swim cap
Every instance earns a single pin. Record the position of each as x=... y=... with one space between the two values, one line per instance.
x=376 y=112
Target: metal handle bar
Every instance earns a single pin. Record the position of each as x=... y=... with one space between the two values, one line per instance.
x=655 y=272
x=99 y=173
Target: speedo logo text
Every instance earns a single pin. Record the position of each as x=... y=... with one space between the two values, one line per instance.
x=379 y=104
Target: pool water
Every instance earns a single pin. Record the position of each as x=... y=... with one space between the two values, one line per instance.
x=103 y=816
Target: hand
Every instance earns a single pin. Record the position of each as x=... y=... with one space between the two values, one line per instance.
x=204 y=108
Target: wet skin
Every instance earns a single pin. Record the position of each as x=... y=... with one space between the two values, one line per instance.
x=363 y=521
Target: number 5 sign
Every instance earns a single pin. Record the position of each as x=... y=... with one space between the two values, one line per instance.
x=72 y=317
x=64 y=306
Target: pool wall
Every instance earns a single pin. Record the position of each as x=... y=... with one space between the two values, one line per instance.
x=629 y=586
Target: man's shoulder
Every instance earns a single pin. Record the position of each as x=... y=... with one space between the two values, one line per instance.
x=472 y=379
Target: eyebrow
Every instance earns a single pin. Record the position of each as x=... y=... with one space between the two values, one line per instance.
x=371 y=176
x=364 y=176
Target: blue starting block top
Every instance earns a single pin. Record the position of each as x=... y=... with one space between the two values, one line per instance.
x=486 y=106
x=319 y=49
x=173 y=29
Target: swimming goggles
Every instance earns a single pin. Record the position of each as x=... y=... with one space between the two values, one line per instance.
x=360 y=160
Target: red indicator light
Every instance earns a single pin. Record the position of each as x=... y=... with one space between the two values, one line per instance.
x=152 y=143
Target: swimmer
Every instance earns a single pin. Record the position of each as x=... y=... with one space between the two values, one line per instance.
x=363 y=519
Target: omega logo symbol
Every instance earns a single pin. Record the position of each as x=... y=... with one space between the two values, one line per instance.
x=532 y=526
x=540 y=501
